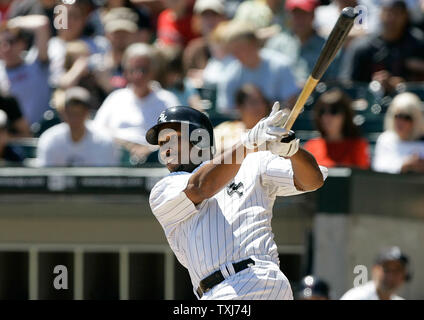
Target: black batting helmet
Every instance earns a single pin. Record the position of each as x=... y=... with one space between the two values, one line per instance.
x=182 y=114
x=311 y=286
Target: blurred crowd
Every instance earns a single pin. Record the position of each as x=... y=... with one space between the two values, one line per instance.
x=87 y=78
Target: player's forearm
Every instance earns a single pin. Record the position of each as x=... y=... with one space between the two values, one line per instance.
x=213 y=176
x=307 y=175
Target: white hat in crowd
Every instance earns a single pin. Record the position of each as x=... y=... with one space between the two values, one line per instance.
x=213 y=5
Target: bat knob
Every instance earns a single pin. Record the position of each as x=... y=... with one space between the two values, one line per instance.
x=289 y=137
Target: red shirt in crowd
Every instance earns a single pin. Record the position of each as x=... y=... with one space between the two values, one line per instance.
x=346 y=153
x=175 y=32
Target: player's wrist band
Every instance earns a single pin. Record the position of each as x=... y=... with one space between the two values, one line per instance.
x=216 y=278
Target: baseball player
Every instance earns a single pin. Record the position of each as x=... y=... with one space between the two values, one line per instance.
x=216 y=212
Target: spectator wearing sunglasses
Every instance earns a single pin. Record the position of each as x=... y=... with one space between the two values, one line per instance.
x=400 y=148
x=339 y=144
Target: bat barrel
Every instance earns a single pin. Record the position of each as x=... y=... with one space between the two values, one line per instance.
x=334 y=41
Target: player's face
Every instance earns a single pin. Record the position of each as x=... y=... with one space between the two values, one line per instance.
x=390 y=275
x=172 y=150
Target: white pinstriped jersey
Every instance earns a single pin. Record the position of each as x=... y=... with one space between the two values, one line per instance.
x=231 y=226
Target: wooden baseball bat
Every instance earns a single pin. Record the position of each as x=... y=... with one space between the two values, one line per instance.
x=332 y=45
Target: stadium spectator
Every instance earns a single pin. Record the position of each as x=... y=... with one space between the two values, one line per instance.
x=312 y=288
x=8 y=153
x=339 y=144
x=259 y=15
x=392 y=56
x=142 y=17
x=251 y=106
x=26 y=78
x=75 y=142
x=389 y=273
x=127 y=113
x=265 y=68
x=78 y=15
x=17 y=124
x=220 y=57
x=173 y=78
x=175 y=24
x=400 y=148
x=278 y=12
x=81 y=70
x=199 y=52
x=210 y=14
x=302 y=44
x=120 y=25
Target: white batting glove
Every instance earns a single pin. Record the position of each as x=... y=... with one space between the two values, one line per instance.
x=264 y=130
x=284 y=149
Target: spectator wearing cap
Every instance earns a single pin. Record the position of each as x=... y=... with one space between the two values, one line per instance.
x=143 y=16
x=8 y=153
x=302 y=44
x=210 y=13
x=312 y=288
x=389 y=273
x=120 y=25
x=75 y=142
x=265 y=68
x=22 y=76
x=391 y=56
x=200 y=52
x=400 y=148
x=175 y=26
x=127 y=113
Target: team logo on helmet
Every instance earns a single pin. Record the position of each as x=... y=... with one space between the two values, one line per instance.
x=162 y=117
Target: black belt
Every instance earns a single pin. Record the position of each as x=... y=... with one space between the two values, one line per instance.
x=215 y=278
